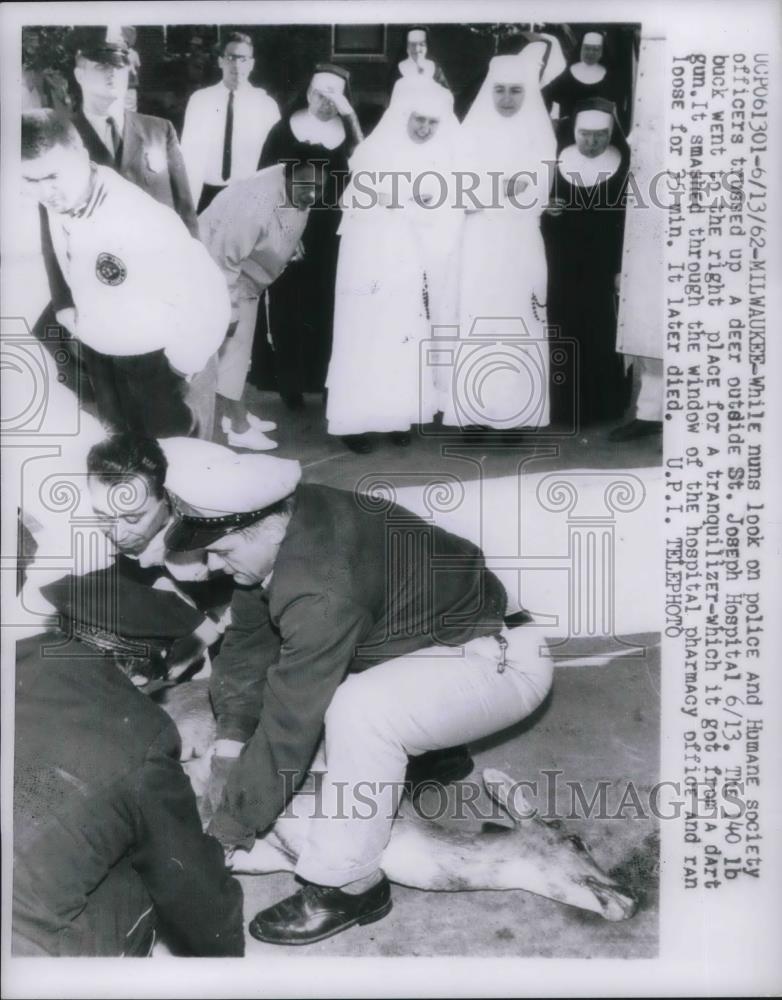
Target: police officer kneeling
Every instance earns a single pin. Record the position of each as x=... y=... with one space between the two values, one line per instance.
x=355 y=616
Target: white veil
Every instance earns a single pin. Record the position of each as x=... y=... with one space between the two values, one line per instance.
x=389 y=147
x=523 y=142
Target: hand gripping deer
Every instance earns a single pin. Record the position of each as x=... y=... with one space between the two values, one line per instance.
x=535 y=855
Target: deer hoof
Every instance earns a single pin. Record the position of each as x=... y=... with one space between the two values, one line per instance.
x=614 y=903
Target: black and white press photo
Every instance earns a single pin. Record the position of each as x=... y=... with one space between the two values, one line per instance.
x=386 y=536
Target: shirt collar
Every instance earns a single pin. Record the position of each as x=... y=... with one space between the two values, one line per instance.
x=95 y=197
x=241 y=89
x=115 y=111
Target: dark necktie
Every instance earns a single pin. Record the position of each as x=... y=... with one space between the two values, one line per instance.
x=116 y=139
x=229 y=135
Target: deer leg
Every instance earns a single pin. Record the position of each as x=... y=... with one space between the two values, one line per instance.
x=265 y=856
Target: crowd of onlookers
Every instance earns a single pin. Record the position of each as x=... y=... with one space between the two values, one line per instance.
x=345 y=293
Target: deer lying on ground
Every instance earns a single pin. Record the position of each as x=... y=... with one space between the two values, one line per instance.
x=532 y=854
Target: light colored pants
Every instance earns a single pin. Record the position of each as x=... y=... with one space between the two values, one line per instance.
x=200 y=397
x=407 y=706
x=236 y=353
x=648 y=376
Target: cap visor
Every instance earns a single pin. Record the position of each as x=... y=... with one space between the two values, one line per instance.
x=184 y=536
x=107 y=57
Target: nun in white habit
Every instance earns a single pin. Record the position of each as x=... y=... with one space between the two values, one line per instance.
x=397 y=273
x=500 y=376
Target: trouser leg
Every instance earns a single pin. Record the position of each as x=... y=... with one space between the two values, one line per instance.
x=428 y=701
x=201 y=400
x=139 y=393
x=236 y=352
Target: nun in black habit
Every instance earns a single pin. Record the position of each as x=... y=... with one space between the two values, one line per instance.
x=584 y=80
x=321 y=126
x=417 y=63
x=583 y=229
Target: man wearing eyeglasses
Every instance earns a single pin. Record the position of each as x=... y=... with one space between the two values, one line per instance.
x=226 y=125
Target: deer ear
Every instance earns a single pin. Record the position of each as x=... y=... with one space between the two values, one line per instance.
x=509 y=794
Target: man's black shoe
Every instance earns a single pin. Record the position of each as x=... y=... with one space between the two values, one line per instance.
x=316 y=912
x=441 y=767
x=293 y=400
x=635 y=429
x=361 y=444
x=518 y=618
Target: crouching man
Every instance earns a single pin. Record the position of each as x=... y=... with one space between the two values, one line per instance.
x=109 y=855
x=143 y=297
x=362 y=618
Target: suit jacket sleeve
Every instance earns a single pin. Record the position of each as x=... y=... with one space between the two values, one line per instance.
x=196 y=900
x=180 y=185
x=319 y=633
x=250 y=646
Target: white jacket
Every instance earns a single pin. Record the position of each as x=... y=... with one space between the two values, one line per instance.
x=139 y=281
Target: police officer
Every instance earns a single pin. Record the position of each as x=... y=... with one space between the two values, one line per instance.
x=142 y=148
x=357 y=617
x=109 y=855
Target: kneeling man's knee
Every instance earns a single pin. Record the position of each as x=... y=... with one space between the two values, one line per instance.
x=354 y=708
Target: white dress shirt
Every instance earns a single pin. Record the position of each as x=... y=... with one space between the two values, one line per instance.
x=139 y=281
x=203 y=134
x=100 y=124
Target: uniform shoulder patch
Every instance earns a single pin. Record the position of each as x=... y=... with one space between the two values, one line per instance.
x=110 y=269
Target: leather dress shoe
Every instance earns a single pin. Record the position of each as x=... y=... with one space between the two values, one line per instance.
x=636 y=429
x=317 y=912
x=361 y=444
x=293 y=400
x=441 y=767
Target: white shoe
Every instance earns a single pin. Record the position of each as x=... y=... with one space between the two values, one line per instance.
x=252 y=438
x=253 y=421
x=262 y=425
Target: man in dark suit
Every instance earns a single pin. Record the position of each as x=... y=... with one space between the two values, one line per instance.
x=144 y=149
x=109 y=854
x=355 y=617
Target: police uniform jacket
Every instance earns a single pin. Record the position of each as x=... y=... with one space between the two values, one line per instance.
x=139 y=281
x=108 y=846
x=150 y=158
x=352 y=586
